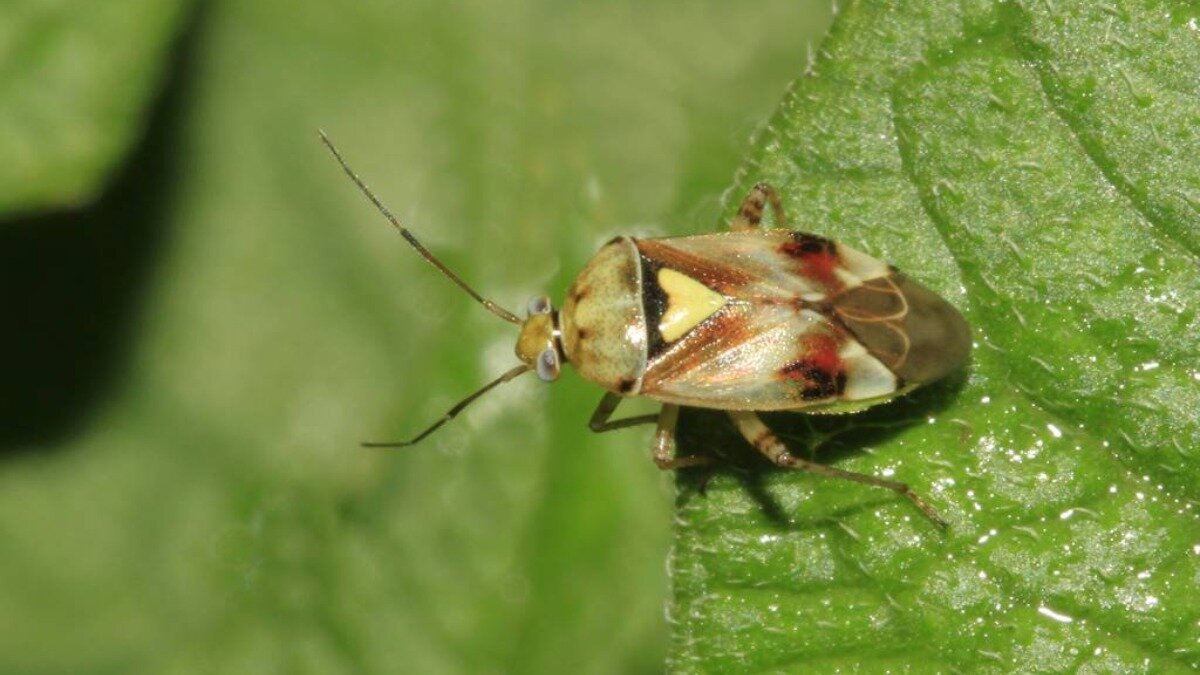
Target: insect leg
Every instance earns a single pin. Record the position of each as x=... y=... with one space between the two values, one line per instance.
x=664 y=442
x=600 y=419
x=749 y=215
x=766 y=442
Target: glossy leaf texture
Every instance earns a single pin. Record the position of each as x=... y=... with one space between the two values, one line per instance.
x=76 y=78
x=198 y=352
x=1038 y=164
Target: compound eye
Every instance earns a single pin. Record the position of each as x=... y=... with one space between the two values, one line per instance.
x=539 y=305
x=548 y=366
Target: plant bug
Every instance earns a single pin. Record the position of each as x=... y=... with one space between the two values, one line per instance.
x=744 y=321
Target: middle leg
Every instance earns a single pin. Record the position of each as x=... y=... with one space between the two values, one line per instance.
x=664 y=436
x=664 y=442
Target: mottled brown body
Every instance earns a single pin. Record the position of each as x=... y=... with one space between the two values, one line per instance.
x=754 y=320
x=743 y=321
x=801 y=323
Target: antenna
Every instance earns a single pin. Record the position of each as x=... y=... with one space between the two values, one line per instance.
x=458 y=407
x=408 y=236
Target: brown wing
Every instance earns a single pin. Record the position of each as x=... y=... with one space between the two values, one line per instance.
x=769 y=341
x=757 y=264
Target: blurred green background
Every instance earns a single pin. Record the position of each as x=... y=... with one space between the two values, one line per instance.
x=208 y=318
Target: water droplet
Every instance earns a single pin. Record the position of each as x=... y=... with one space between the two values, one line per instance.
x=1051 y=614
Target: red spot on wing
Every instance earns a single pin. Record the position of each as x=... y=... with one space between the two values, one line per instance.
x=817 y=256
x=823 y=352
x=820 y=371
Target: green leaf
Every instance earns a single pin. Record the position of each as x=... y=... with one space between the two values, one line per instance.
x=181 y=489
x=75 y=80
x=1035 y=162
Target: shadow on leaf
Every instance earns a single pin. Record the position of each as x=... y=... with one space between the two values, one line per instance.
x=821 y=438
x=76 y=278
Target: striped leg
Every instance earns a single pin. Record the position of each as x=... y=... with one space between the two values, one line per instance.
x=749 y=215
x=766 y=442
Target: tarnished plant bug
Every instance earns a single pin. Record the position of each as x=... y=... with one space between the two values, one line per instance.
x=744 y=321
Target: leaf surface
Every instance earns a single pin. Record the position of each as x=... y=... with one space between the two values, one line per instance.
x=1035 y=163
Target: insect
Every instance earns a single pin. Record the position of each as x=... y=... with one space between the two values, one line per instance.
x=744 y=321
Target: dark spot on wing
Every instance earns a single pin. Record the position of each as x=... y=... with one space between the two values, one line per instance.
x=820 y=371
x=820 y=382
x=804 y=244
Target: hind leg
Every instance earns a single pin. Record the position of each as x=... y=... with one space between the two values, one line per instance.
x=766 y=442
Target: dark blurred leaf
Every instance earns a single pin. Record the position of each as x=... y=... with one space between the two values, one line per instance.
x=1037 y=163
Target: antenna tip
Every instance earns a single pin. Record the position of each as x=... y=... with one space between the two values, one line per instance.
x=391 y=444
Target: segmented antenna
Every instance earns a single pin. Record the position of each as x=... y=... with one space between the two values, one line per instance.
x=408 y=236
x=458 y=407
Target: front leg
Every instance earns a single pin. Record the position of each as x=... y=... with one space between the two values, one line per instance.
x=766 y=442
x=601 y=423
x=749 y=215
